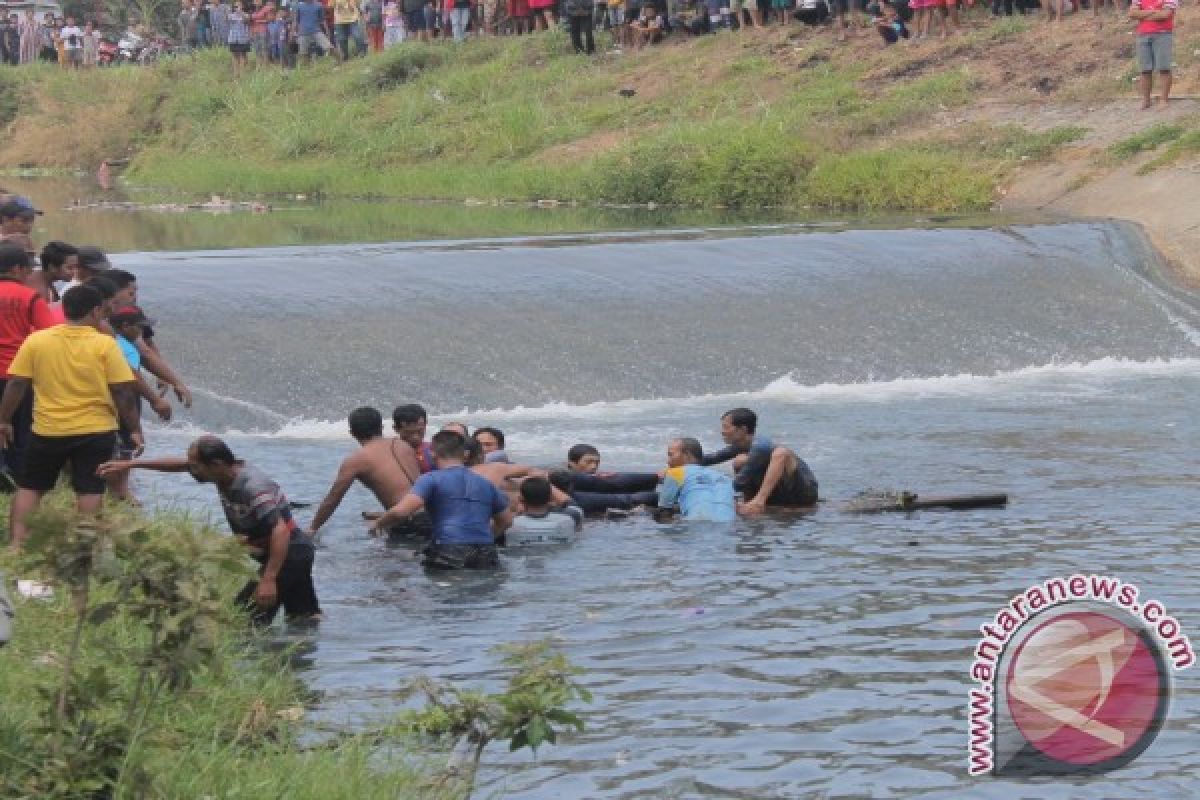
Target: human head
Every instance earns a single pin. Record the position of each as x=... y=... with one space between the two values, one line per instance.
x=126 y=286
x=59 y=260
x=535 y=494
x=14 y=261
x=106 y=289
x=409 y=422
x=684 y=450
x=16 y=217
x=366 y=424
x=738 y=426
x=70 y=20
x=490 y=439
x=91 y=261
x=128 y=321
x=583 y=458
x=84 y=305
x=458 y=428
x=209 y=460
x=448 y=449
x=472 y=452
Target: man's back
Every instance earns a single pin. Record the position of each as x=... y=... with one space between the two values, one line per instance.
x=387 y=466
x=71 y=368
x=702 y=493
x=552 y=527
x=461 y=504
x=22 y=311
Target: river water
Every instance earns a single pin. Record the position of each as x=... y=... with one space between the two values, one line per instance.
x=820 y=656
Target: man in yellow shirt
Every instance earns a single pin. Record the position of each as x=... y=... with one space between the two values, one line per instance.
x=80 y=382
x=347 y=25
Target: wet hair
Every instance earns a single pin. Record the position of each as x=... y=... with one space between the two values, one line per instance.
x=472 y=451
x=407 y=414
x=12 y=257
x=104 y=286
x=691 y=448
x=535 y=491
x=366 y=423
x=455 y=425
x=493 y=431
x=742 y=418
x=79 y=301
x=579 y=451
x=55 y=254
x=93 y=259
x=561 y=479
x=448 y=444
x=211 y=450
x=119 y=277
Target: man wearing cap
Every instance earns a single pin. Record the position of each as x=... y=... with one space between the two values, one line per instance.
x=22 y=311
x=80 y=384
x=16 y=217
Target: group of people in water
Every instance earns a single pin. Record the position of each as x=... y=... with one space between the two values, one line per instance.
x=460 y=496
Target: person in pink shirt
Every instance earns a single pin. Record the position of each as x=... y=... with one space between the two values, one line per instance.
x=1155 y=46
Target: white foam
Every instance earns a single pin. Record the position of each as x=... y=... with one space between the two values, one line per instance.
x=1065 y=379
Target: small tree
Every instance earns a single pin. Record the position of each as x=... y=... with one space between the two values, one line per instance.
x=530 y=712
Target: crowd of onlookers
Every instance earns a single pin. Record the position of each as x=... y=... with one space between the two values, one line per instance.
x=290 y=31
x=26 y=38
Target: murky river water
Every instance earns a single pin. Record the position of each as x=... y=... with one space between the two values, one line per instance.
x=822 y=656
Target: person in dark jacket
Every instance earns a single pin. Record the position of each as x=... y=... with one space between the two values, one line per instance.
x=580 y=13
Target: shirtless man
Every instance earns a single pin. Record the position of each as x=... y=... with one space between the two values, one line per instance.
x=506 y=477
x=385 y=465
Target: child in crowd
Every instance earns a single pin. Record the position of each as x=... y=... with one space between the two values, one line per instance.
x=91 y=45
x=888 y=23
x=393 y=24
x=616 y=23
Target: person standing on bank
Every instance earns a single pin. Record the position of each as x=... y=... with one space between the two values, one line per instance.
x=80 y=384
x=580 y=13
x=22 y=312
x=468 y=512
x=260 y=515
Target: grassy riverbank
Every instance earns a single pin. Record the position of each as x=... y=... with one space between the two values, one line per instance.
x=786 y=118
x=223 y=725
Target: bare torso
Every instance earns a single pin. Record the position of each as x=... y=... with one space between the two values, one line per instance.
x=387 y=466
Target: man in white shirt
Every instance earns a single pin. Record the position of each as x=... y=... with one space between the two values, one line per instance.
x=72 y=37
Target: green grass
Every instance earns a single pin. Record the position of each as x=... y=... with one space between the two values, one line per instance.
x=1150 y=139
x=1185 y=146
x=715 y=122
x=234 y=732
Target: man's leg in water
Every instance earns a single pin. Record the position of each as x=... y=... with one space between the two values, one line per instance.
x=621 y=482
x=599 y=502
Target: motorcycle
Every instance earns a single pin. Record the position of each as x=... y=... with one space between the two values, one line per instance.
x=130 y=47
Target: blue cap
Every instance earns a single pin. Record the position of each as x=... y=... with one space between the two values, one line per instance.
x=26 y=203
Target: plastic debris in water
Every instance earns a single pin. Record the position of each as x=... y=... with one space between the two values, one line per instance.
x=693 y=612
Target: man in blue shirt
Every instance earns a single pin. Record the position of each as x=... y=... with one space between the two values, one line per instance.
x=310 y=29
x=702 y=493
x=467 y=511
x=765 y=474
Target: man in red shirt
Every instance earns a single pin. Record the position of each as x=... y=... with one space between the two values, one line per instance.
x=22 y=311
x=1155 y=45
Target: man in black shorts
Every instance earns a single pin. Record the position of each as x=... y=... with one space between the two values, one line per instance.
x=80 y=383
x=260 y=515
x=765 y=474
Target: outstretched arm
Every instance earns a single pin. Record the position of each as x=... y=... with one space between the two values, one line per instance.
x=408 y=505
x=721 y=456
x=158 y=366
x=346 y=476
x=153 y=464
x=124 y=395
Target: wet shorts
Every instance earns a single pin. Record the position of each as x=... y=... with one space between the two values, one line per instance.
x=461 y=556
x=297 y=595
x=1155 y=51
x=796 y=489
x=47 y=455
